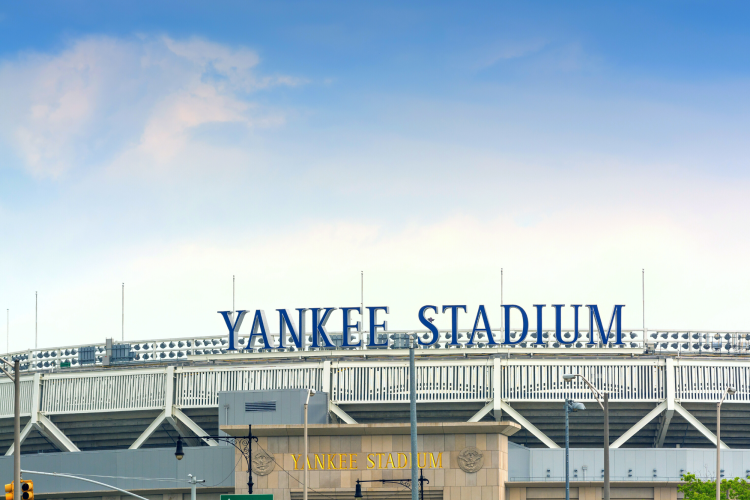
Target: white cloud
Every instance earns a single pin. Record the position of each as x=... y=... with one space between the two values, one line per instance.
x=104 y=98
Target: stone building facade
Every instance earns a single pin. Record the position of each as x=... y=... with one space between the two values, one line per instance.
x=461 y=461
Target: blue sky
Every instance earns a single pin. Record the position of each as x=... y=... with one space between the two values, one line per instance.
x=170 y=145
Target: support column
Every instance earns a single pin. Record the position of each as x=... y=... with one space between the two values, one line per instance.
x=661 y=432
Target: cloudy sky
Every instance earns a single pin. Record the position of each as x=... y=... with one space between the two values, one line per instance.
x=171 y=145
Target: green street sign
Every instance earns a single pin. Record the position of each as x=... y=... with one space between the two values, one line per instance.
x=265 y=496
x=65 y=364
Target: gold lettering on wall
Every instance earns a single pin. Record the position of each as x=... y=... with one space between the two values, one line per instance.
x=348 y=461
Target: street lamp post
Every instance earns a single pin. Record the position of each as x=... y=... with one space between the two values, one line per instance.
x=570 y=406
x=243 y=444
x=603 y=400
x=728 y=390
x=16 y=378
x=310 y=392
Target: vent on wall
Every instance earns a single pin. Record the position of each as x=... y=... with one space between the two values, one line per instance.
x=261 y=406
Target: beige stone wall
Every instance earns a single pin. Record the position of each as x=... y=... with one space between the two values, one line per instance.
x=486 y=484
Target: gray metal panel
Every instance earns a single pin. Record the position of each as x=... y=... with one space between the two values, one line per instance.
x=289 y=407
x=627 y=464
x=519 y=460
x=214 y=464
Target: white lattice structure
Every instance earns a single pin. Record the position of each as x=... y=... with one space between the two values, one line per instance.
x=658 y=398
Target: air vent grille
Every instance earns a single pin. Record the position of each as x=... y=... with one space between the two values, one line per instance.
x=261 y=406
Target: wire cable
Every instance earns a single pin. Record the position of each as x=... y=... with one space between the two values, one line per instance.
x=137 y=478
x=227 y=476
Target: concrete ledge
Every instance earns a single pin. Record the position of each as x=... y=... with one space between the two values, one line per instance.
x=593 y=484
x=504 y=428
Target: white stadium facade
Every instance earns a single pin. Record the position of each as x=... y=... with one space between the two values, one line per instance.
x=141 y=395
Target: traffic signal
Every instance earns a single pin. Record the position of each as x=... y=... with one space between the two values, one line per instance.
x=27 y=491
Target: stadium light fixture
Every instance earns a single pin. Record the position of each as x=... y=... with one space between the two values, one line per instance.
x=603 y=400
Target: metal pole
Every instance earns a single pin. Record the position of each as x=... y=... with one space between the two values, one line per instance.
x=413 y=418
x=605 y=397
x=7 y=331
x=567 y=450
x=362 y=305
x=250 y=459
x=501 y=298
x=421 y=484
x=718 y=450
x=17 y=430
x=36 y=320
x=193 y=485
x=123 y=314
x=304 y=457
x=643 y=298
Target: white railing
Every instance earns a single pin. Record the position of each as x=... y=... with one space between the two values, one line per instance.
x=699 y=382
x=199 y=387
x=7 y=399
x=368 y=381
x=631 y=380
x=389 y=383
x=99 y=392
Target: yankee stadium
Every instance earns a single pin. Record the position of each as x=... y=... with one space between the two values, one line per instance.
x=490 y=408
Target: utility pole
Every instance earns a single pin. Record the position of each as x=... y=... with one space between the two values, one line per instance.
x=16 y=378
x=193 y=484
x=413 y=416
x=17 y=429
x=362 y=305
x=605 y=405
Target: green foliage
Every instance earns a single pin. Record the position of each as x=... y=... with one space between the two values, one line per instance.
x=731 y=489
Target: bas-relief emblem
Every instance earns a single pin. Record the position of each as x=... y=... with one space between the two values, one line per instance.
x=470 y=459
x=263 y=464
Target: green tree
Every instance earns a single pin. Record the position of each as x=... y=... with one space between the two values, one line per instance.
x=731 y=489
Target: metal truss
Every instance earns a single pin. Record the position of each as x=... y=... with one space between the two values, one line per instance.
x=498 y=383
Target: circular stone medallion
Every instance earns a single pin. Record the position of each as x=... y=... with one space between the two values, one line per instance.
x=470 y=459
x=262 y=463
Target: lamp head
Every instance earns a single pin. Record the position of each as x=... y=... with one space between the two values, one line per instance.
x=312 y=392
x=178 y=453
x=568 y=377
x=358 y=491
x=575 y=406
x=731 y=390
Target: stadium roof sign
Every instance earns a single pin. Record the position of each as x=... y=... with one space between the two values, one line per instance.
x=321 y=315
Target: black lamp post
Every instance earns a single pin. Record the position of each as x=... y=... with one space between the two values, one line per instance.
x=406 y=483
x=243 y=444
